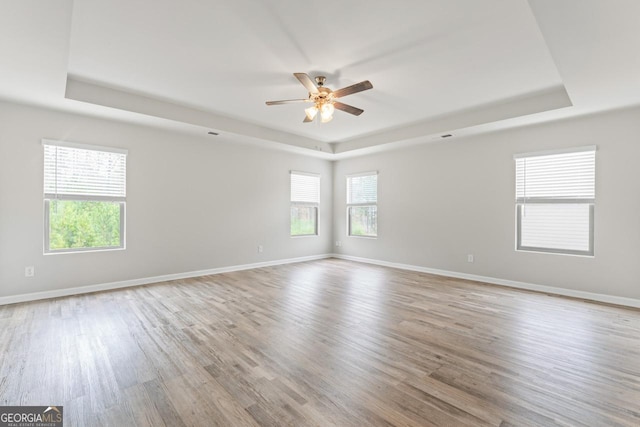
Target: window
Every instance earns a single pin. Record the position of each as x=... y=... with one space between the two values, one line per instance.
x=362 y=204
x=84 y=197
x=305 y=199
x=555 y=197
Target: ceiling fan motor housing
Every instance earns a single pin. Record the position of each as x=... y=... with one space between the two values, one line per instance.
x=323 y=95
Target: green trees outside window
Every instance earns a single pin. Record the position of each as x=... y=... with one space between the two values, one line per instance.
x=304 y=220
x=84 y=224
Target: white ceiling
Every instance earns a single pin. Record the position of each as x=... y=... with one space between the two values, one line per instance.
x=437 y=66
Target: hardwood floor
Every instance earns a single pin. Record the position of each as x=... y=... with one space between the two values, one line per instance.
x=328 y=342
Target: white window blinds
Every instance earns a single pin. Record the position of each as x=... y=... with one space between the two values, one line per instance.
x=362 y=189
x=555 y=197
x=305 y=188
x=74 y=171
x=556 y=176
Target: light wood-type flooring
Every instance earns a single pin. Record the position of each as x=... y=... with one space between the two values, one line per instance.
x=323 y=343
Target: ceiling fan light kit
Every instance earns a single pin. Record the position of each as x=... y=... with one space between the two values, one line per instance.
x=324 y=99
x=326 y=112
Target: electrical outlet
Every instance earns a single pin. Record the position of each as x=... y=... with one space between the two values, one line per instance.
x=260 y=249
x=470 y=258
x=338 y=243
x=29 y=271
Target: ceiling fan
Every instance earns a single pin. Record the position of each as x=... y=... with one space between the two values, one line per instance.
x=324 y=99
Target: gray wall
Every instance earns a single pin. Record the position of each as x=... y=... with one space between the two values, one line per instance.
x=439 y=202
x=197 y=203
x=193 y=203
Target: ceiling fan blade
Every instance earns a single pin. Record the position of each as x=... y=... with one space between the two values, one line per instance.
x=307 y=82
x=286 y=101
x=348 y=108
x=307 y=119
x=358 y=87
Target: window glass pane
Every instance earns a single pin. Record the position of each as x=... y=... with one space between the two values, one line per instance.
x=304 y=220
x=363 y=221
x=555 y=226
x=83 y=224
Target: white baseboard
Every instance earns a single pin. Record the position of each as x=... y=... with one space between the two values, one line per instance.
x=610 y=299
x=148 y=280
x=629 y=302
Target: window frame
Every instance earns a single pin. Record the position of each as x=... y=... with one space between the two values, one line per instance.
x=49 y=197
x=522 y=202
x=299 y=204
x=360 y=205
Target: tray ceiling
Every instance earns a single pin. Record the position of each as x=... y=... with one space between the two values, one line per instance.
x=436 y=66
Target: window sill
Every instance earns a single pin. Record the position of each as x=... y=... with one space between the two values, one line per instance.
x=543 y=252
x=82 y=251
